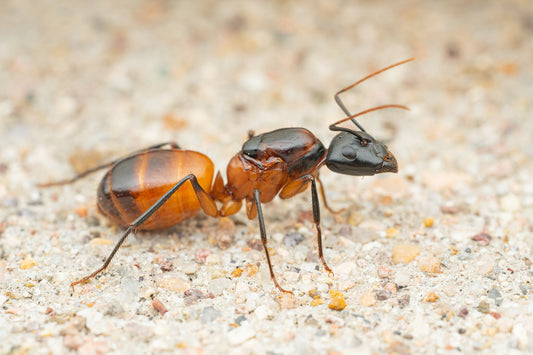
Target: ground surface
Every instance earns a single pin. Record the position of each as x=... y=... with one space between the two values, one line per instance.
x=84 y=82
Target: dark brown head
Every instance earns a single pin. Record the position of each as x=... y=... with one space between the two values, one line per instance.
x=358 y=153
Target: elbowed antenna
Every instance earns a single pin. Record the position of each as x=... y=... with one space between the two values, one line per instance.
x=341 y=105
x=335 y=127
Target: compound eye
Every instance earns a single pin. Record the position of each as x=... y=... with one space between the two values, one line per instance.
x=349 y=152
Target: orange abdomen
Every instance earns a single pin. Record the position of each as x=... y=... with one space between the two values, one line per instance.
x=135 y=183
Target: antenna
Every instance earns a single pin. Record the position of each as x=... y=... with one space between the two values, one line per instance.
x=334 y=126
x=339 y=102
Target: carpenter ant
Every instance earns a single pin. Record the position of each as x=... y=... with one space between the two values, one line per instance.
x=148 y=189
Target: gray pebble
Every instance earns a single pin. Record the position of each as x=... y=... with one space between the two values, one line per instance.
x=209 y=314
x=496 y=296
x=292 y=239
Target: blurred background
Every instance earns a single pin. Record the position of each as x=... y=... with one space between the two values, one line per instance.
x=204 y=73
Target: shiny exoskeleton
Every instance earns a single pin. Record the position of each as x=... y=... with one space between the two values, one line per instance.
x=148 y=189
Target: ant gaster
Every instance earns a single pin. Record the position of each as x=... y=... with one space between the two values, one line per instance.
x=148 y=189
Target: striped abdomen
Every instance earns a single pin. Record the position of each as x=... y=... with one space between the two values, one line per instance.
x=135 y=183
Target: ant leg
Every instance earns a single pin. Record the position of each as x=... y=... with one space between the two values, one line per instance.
x=264 y=240
x=298 y=185
x=77 y=177
x=316 y=222
x=206 y=203
x=106 y=165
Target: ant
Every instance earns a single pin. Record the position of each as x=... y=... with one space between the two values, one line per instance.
x=148 y=189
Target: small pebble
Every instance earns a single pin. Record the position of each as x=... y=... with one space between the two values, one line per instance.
x=382 y=295
x=251 y=269
x=240 y=334
x=368 y=299
x=90 y=347
x=392 y=232
x=430 y=264
x=212 y=259
x=346 y=285
x=193 y=295
x=428 y=222
x=159 y=306
x=293 y=239
x=391 y=287
x=236 y=273
x=225 y=233
x=310 y=320
x=482 y=238
x=263 y=312
x=27 y=263
x=495 y=295
x=404 y=253
x=219 y=285
x=505 y=325
x=338 y=302
x=209 y=314
x=73 y=341
x=81 y=211
x=255 y=244
x=100 y=241
x=510 y=203
x=404 y=301
x=286 y=300
x=95 y=321
x=393 y=185
x=167 y=265
x=384 y=271
x=495 y=315
x=364 y=235
x=402 y=277
x=485 y=264
x=441 y=180
x=339 y=322
x=483 y=307
x=187 y=267
x=316 y=301
x=431 y=297
x=201 y=255
x=356 y=218
x=240 y=320
x=147 y=292
x=463 y=312
x=174 y=284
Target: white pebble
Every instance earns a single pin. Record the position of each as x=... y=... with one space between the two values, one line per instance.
x=485 y=264
x=217 y=286
x=263 y=312
x=241 y=334
x=510 y=203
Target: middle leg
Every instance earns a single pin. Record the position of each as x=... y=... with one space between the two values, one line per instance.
x=298 y=185
x=264 y=239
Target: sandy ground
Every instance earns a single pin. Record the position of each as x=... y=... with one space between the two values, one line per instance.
x=435 y=259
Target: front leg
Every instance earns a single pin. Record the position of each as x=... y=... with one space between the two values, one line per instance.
x=264 y=240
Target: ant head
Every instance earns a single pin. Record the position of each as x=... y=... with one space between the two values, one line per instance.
x=358 y=153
